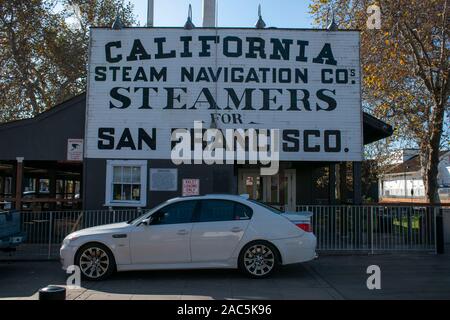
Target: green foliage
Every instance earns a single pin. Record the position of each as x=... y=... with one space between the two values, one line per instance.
x=43 y=51
x=406 y=69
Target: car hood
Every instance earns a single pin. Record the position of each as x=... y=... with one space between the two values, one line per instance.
x=107 y=228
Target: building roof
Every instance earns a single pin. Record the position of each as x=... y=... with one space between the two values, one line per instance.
x=375 y=129
x=410 y=165
x=44 y=137
x=74 y=101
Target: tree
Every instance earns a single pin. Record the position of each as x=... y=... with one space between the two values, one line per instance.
x=405 y=68
x=43 y=50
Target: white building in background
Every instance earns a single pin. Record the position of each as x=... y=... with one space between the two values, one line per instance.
x=404 y=180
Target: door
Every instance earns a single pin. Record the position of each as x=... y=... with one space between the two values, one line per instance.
x=250 y=183
x=217 y=230
x=271 y=189
x=290 y=190
x=166 y=239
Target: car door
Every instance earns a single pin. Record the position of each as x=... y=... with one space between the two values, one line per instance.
x=166 y=239
x=219 y=226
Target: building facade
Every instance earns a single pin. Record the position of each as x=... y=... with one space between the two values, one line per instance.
x=296 y=92
x=403 y=180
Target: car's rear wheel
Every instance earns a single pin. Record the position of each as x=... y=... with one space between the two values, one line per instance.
x=259 y=259
x=96 y=261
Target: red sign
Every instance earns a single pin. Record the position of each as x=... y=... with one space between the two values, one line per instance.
x=191 y=187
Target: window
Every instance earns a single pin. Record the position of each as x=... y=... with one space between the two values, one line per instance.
x=223 y=210
x=264 y=205
x=126 y=183
x=242 y=212
x=180 y=212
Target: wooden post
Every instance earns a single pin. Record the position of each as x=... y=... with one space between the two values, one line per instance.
x=19 y=178
x=2 y=186
x=52 y=187
x=357 y=183
x=332 y=200
x=332 y=184
x=37 y=185
x=341 y=177
x=282 y=188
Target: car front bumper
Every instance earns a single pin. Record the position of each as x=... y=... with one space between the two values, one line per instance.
x=67 y=256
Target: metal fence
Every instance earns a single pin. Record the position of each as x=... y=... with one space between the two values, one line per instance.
x=338 y=228
x=374 y=228
x=45 y=231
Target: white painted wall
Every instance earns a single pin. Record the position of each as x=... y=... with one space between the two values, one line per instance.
x=444 y=170
x=346 y=117
x=400 y=185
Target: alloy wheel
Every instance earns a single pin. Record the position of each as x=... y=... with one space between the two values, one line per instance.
x=259 y=260
x=94 y=262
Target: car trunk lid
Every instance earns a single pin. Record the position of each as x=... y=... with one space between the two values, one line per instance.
x=301 y=219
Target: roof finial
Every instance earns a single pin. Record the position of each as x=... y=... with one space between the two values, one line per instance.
x=260 y=24
x=333 y=25
x=117 y=24
x=189 y=24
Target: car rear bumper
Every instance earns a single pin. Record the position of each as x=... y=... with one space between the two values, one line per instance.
x=299 y=249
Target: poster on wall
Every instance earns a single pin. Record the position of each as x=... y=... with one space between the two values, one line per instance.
x=75 y=150
x=191 y=187
x=146 y=83
x=163 y=179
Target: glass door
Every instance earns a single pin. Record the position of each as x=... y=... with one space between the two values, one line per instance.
x=250 y=183
x=278 y=190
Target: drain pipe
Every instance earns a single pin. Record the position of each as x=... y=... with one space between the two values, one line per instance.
x=209 y=13
x=150 y=13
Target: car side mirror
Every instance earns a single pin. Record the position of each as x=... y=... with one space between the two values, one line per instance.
x=147 y=221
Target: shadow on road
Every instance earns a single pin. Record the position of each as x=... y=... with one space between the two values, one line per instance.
x=403 y=276
x=23 y=279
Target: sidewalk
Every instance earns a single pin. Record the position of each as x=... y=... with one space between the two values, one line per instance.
x=403 y=276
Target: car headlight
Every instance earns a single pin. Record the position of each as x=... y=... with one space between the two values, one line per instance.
x=68 y=239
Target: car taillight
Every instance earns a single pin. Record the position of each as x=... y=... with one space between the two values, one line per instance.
x=304 y=226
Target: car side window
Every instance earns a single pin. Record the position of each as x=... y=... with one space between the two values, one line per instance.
x=180 y=212
x=222 y=210
x=242 y=212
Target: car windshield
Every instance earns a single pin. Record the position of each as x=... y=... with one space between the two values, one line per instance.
x=146 y=212
x=135 y=219
x=273 y=209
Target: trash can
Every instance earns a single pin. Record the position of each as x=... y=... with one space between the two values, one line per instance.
x=52 y=293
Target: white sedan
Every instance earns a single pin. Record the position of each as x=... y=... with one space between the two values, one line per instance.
x=212 y=231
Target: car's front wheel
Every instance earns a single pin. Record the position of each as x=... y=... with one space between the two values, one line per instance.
x=258 y=259
x=96 y=261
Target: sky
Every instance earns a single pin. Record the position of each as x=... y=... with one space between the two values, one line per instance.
x=231 y=13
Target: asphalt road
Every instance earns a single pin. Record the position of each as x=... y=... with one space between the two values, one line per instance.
x=403 y=276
